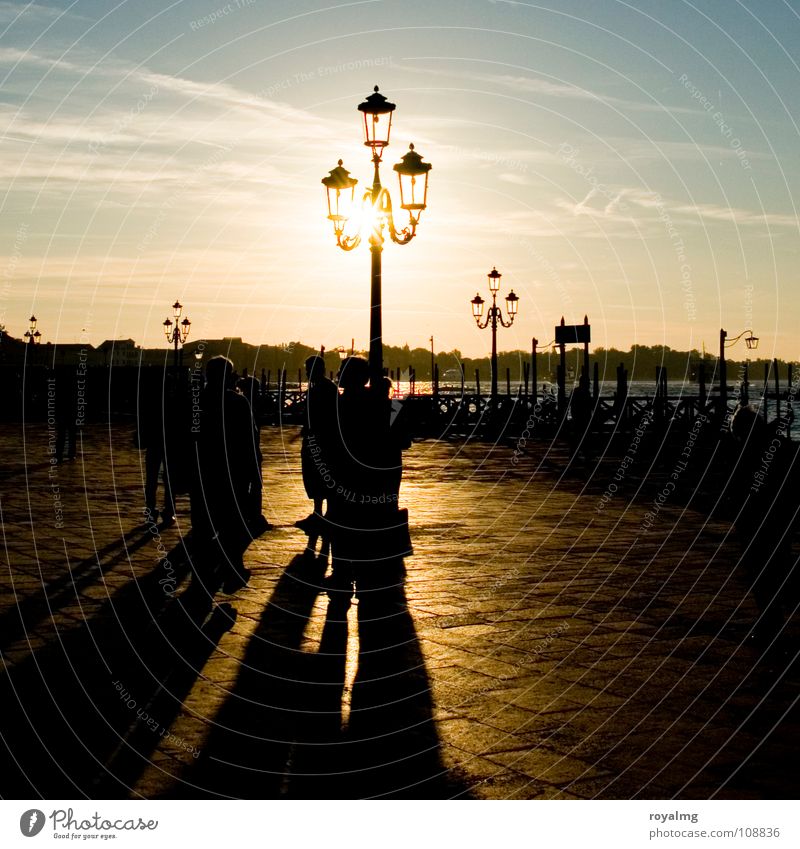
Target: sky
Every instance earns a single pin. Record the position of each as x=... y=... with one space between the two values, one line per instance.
x=636 y=162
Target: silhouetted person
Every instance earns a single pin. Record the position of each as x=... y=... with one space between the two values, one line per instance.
x=580 y=407
x=318 y=438
x=163 y=431
x=764 y=489
x=251 y=389
x=226 y=497
x=366 y=466
x=399 y=439
x=66 y=412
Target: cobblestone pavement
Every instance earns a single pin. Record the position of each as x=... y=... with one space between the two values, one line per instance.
x=535 y=647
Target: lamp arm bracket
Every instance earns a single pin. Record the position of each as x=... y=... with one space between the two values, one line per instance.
x=404 y=236
x=729 y=342
x=347 y=243
x=384 y=204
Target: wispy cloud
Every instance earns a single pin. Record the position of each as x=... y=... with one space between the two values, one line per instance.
x=14 y=56
x=10 y=12
x=711 y=212
x=528 y=84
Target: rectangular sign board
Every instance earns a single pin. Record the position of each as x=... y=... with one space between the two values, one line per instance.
x=568 y=334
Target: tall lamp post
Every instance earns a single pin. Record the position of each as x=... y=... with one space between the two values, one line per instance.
x=752 y=343
x=494 y=317
x=376 y=205
x=33 y=336
x=178 y=332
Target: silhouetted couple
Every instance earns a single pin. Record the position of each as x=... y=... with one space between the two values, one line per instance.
x=163 y=432
x=226 y=486
x=352 y=457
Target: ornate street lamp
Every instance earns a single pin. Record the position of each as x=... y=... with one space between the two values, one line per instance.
x=340 y=188
x=178 y=332
x=752 y=343
x=494 y=318
x=33 y=336
x=376 y=208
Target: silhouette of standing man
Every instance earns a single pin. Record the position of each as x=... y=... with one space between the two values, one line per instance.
x=226 y=495
x=66 y=411
x=318 y=435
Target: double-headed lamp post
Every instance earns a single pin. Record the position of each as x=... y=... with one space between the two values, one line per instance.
x=376 y=204
x=178 y=332
x=33 y=336
x=494 y=317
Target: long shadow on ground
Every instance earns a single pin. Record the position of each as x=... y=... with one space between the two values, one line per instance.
x=282 y=732
x=82 y=715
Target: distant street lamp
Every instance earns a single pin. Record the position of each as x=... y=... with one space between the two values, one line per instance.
x=33 y=336
x=376 y=208
x=494 y=317
x=752 y=343
x=177 y=333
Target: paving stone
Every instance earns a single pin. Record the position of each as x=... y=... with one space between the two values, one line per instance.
x=542 y=652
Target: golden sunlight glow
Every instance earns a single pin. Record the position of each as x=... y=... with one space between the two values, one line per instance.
x=370 y=220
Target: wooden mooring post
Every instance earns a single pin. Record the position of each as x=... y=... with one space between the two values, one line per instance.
x=777 y=390
x=562 y=376
x=745 y=394
x=701 y=387
x=621 y=396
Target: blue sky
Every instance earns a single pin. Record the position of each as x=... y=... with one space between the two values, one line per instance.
x=633 y=161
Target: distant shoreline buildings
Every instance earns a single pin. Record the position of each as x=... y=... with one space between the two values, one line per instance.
x=639 y=360
x=126 y=352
